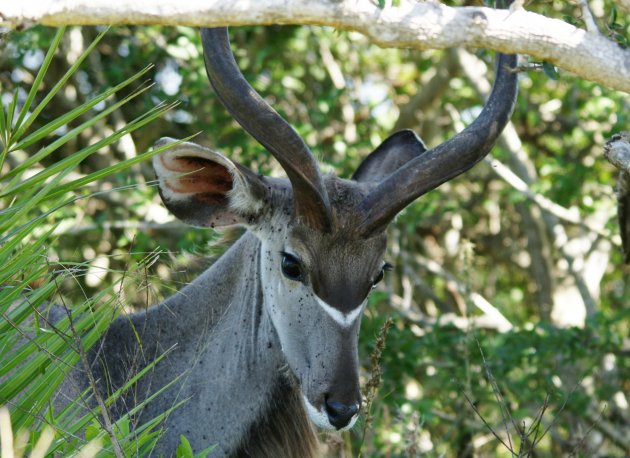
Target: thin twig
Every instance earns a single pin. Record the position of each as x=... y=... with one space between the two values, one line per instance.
x=562 y=407
x=490 y=428
x=535 y=426
x=505 y=411
x=581 y=442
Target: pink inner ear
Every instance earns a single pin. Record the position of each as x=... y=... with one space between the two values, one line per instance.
x=210 y=180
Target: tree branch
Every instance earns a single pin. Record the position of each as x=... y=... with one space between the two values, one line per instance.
x=617 y=151
x=492 y=316
x=429 y=25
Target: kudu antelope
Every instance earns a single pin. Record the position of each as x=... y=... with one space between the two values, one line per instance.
x=266 y=338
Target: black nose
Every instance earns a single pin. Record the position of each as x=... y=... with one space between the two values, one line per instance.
x=340 y=414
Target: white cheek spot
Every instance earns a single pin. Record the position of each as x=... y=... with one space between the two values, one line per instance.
x=320 y=418
x=344 y=319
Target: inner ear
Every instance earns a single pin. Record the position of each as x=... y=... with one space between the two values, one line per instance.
x=398 y=149
x=209 y=181
x=204 y=188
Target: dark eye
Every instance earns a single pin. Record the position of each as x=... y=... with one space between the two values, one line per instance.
x=386 y=267
x=291 y=267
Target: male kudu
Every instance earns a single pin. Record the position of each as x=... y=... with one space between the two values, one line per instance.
x=265 y=340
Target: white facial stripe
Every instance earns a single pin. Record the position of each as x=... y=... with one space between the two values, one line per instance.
x=344 y=319
x=320 y=418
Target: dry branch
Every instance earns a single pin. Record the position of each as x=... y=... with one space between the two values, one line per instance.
x=617 y=151
x=429 y=25
x=492 y=316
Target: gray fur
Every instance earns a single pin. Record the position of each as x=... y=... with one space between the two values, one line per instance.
x=248 y=343
x=223 y=346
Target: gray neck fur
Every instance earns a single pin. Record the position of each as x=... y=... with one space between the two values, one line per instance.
x=241 y=395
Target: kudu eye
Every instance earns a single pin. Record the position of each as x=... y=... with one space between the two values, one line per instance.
x=291 y=267
x=386 y=267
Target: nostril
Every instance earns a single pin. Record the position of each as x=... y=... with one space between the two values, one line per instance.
x=340 y=414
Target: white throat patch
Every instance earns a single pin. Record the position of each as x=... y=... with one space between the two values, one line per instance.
x=344 y=319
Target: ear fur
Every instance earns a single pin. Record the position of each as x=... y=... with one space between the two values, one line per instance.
x=398 y=149
x=204 y=188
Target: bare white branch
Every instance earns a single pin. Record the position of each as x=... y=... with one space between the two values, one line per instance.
x=555 y=209
x=589 y=20
x=491 y=314
x=421 y=25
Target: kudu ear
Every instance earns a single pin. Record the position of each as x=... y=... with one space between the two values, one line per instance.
x=393 y=153
x=204 y=188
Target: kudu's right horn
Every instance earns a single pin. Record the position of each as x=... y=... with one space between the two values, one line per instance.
x=268 y=127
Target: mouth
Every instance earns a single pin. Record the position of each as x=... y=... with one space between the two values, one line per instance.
x=320 y=418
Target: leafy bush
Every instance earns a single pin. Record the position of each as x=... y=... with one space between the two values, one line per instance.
x=37 y=350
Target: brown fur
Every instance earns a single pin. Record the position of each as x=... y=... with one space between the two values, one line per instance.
x=284 y=431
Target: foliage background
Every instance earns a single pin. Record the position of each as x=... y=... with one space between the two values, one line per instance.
x=456 y=380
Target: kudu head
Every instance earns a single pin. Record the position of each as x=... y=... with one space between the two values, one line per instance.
x=322 y=237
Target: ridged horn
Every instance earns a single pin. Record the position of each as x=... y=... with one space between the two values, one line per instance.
x=262 y=122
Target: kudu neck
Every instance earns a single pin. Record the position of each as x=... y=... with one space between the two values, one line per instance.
x=225 y=344
x=223 y=309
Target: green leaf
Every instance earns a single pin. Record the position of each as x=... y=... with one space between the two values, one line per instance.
x=550 y=70
x=8 y=123
x=205 y=452
x=123 y=427
x=62 y=81
x=4 y=137
x=35 y=198
x=47 y=150
x=92 y=431
x=36 y=356
x=613 y=16
x=570 y=19
x=184 y=450
x=66 y=165
x=78 y=111
x=40 y=76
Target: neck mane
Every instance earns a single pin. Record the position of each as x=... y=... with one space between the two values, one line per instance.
x=284 y=430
